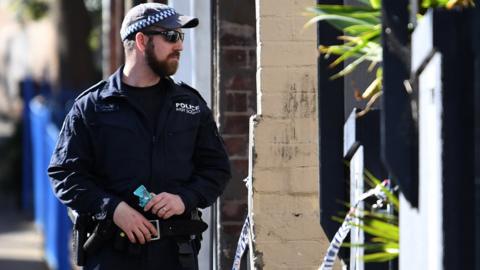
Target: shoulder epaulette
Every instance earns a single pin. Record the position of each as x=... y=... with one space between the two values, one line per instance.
x=191 y=89
x=91 y=89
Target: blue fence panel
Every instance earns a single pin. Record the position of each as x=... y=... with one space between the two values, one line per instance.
x=50 y=215
x=58 y=227
x=39 y=118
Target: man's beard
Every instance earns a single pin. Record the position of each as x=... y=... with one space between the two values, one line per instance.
x=161 y=68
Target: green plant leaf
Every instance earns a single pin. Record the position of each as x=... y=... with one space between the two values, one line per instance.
x=350 y=67
x=358 y=29
x=373 y=88
x=365 y=2
x=392 y=198
x=374 y=180
x=379 y=257
x=389 y=247
x=362 y=23
x=376 y=3
x=341 y=16
x=337 y=219
x=389 y=218
x=344 y=9
x=385 y=217
x=339 y=21
x=434 y=3
x=369 y=51
x=370 y=55
x=382 y=240
x=379 y=230
x=369 y=247
x=387 y=229
x=362 y=42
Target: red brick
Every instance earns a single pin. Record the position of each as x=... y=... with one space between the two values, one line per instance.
x=236 y=102
x=241 y=81
x=252 y=58
x=230 y=102
x=234 y=210
x=236 y=189
x=233 y=40
x=241 y=166
x=237 y=146
x=232 y=229
x=252 y=101
x=236 y=124
x=235 y=57
x=240 y=102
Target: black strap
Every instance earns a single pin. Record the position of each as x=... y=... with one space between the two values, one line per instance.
x=180 y=230
x=187 y=255
x=182 y=227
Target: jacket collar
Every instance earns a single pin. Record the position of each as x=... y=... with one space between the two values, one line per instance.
x=113 y=87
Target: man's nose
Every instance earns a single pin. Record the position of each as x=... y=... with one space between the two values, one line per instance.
x=178 y=45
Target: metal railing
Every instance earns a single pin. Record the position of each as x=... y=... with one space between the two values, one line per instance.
x=50 y=216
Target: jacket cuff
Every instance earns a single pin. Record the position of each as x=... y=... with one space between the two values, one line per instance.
x=189 y=198
x=106 y=208
x=112 y=206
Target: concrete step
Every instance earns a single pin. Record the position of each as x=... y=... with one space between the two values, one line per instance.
x=21 y=245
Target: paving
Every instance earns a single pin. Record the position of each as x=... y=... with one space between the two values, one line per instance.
x=20 y=242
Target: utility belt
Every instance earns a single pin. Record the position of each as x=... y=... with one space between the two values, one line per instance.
x=89 y=236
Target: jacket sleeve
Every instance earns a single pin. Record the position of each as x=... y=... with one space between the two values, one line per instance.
x=211 y=166
x=70 y=170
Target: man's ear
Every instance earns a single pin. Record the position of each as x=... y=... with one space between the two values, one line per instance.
x=141 y=41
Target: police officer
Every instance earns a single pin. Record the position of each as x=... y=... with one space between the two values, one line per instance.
x=139 y=127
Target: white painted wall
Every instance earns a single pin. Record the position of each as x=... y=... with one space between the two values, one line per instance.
x=195 y=70
x=195 y=65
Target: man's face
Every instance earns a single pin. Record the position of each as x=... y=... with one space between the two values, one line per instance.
x=162 y=56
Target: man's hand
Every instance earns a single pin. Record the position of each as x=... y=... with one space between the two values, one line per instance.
x=133 y=224
x=165 y=205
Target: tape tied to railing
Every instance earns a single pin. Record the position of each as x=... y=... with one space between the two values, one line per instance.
x=346 y=226
x=242 y=244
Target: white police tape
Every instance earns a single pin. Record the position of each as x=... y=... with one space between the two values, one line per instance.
x=343 y=231
x=242 y=244
x=337 y=241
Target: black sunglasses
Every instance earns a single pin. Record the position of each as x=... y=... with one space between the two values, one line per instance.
x=171 y=36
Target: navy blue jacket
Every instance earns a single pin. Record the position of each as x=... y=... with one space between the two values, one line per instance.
x=106 y=149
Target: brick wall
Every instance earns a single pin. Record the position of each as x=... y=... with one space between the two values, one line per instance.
x=285 y=172
x=236 y=54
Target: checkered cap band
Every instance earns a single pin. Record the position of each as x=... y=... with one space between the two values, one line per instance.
x=146 y=22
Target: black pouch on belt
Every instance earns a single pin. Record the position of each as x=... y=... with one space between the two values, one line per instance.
x=102 y=233
x=186 y=254
x=122 y=243
x=177 y=229
x=81 y=226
